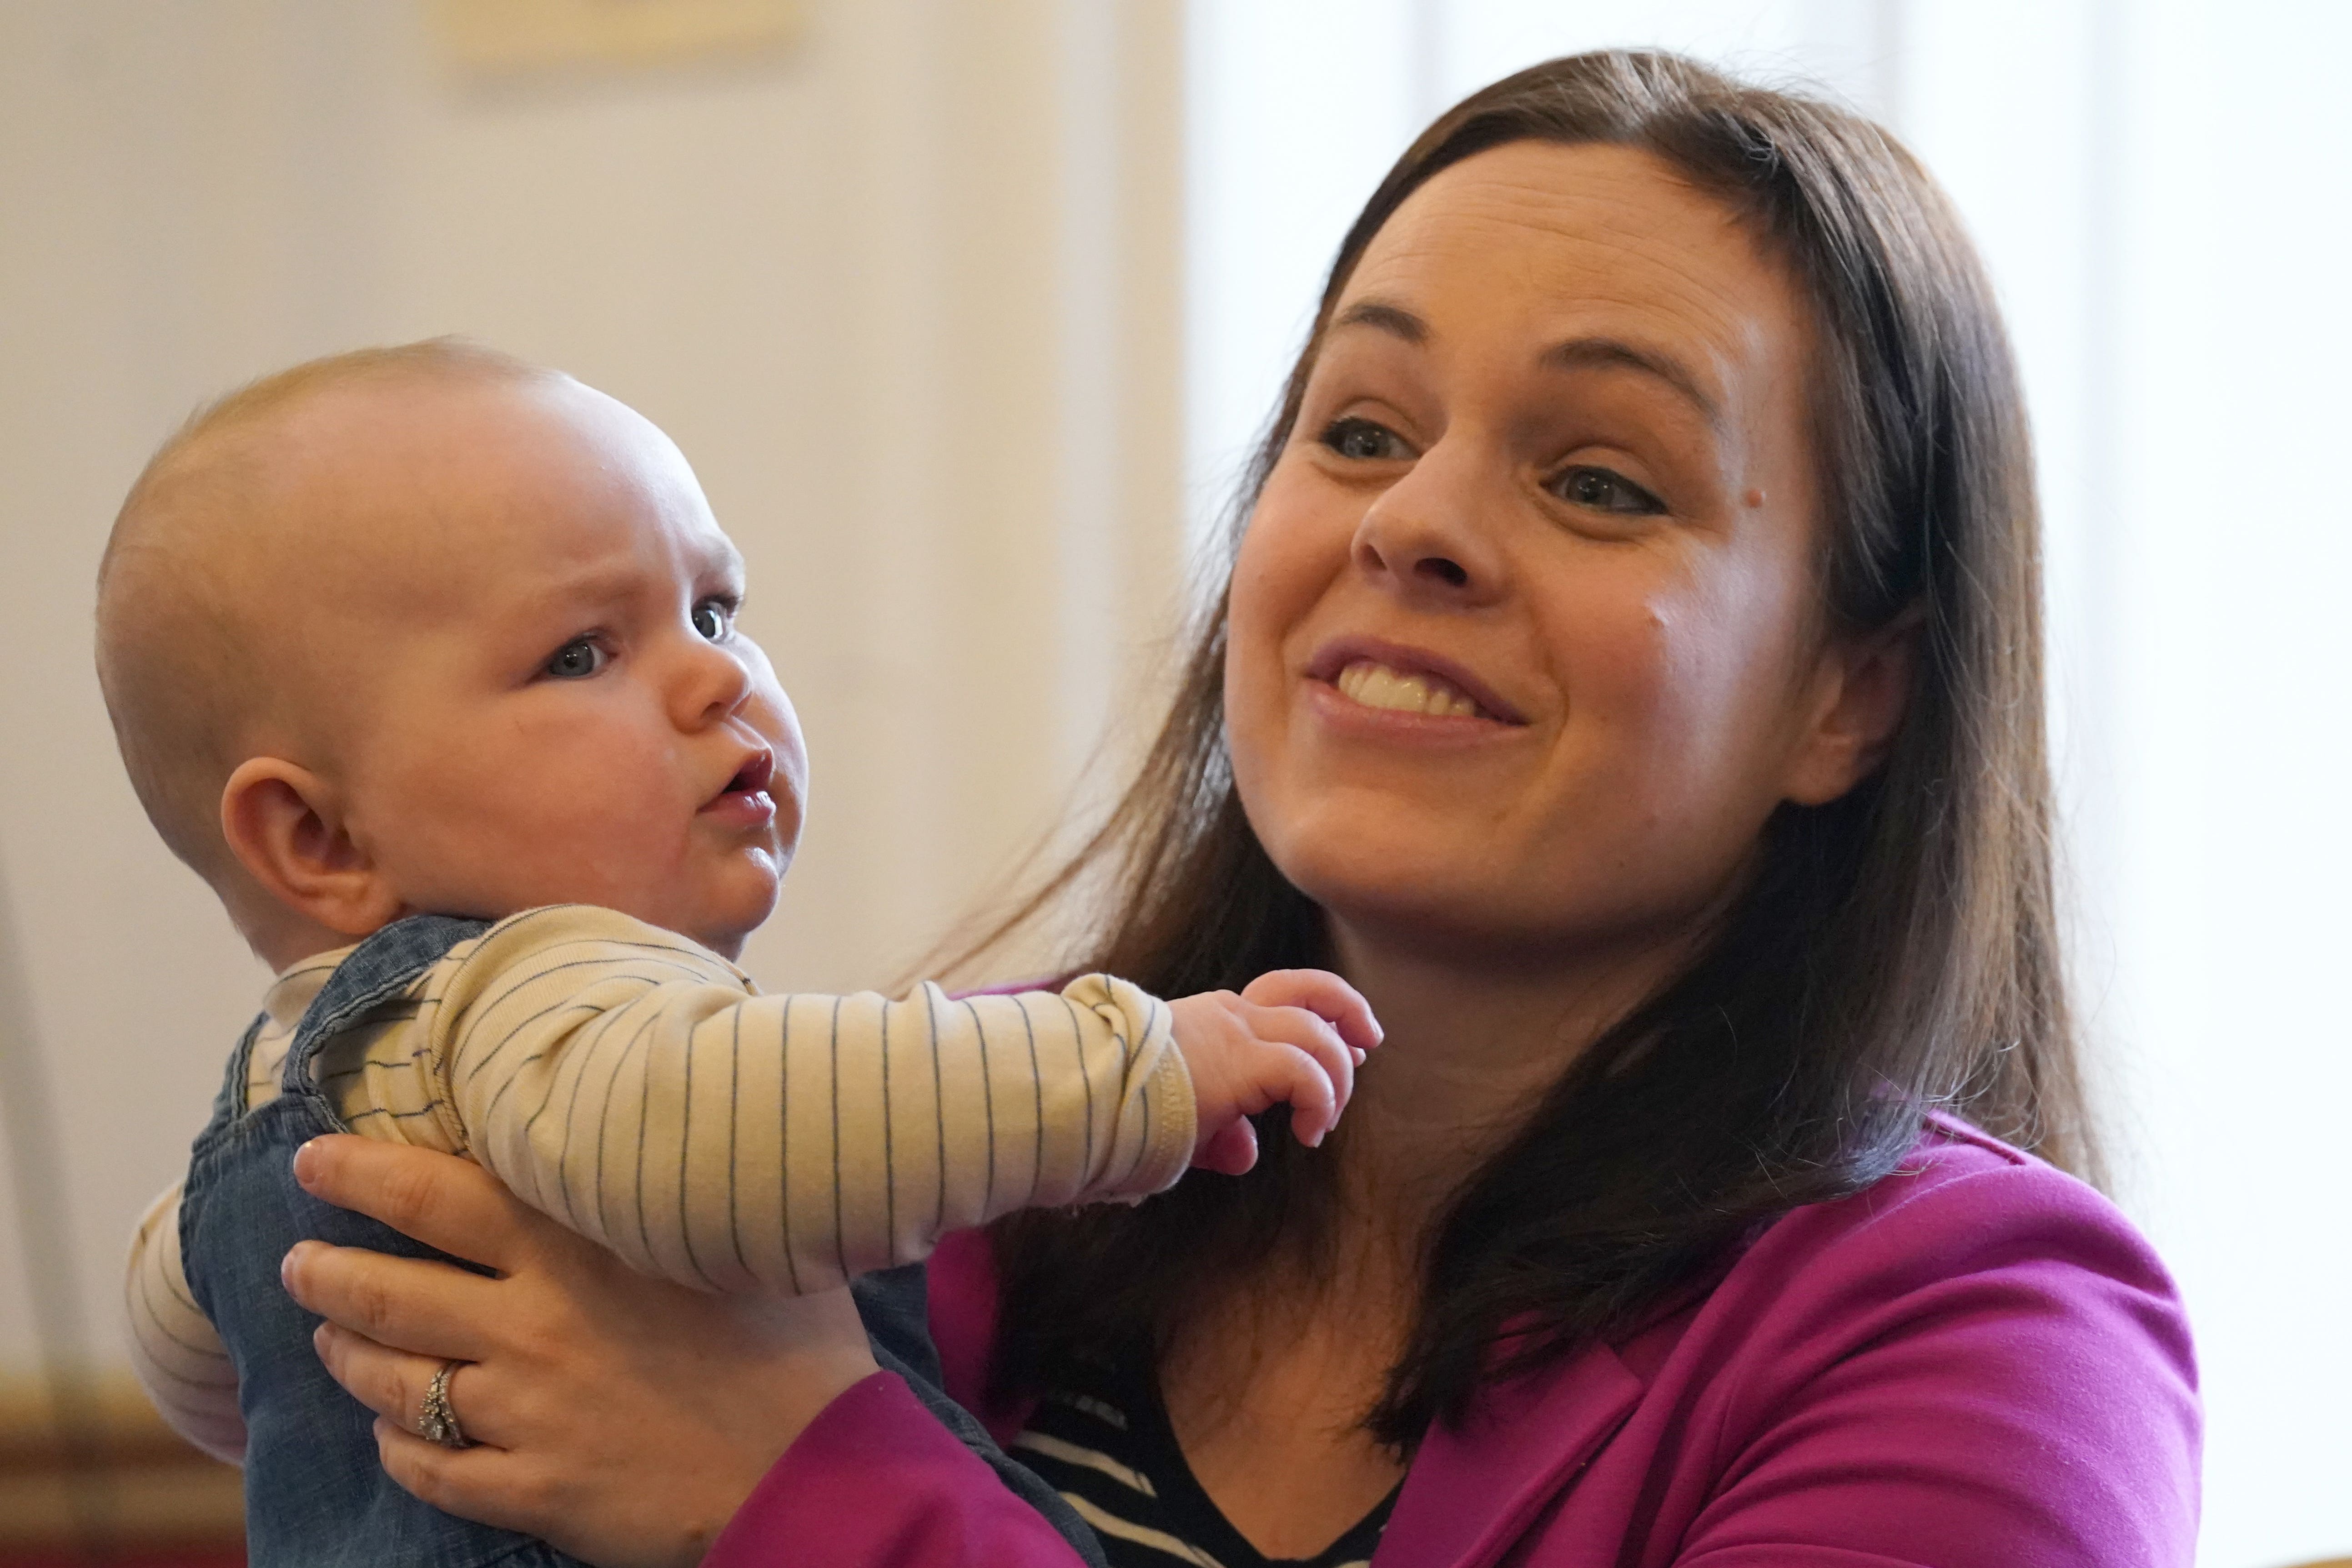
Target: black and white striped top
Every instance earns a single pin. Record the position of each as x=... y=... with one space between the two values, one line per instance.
x=1105 y=1443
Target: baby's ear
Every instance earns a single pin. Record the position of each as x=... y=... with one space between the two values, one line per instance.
x=285 y=826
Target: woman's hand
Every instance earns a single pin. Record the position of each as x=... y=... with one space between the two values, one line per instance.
x=622 y=1418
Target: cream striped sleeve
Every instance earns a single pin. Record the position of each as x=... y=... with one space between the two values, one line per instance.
x=636 y=1087
x=179 y=1359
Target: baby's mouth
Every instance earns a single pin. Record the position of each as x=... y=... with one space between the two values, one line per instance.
x=752 y=778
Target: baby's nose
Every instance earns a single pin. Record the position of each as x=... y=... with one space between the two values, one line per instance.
x=716 y=685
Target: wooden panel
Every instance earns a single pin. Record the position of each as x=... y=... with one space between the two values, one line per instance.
x=118 y=1485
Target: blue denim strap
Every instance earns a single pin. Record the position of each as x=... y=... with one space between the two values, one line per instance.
x=380 y=970
x=229 y=1104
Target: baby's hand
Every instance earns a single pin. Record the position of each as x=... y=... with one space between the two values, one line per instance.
x=1294 y=1035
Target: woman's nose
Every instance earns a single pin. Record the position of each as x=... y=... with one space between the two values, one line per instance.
x=1422 y=539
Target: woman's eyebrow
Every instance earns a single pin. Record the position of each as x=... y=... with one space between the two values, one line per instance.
x=1378 y=314
x=1578 y=353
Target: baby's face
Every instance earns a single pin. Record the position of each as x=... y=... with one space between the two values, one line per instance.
x=556 y=705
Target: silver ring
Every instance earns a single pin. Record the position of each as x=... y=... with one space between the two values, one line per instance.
x=437 y=1421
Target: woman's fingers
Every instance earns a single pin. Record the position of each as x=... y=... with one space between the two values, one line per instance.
x=393 y=1384
x=378 y=1377
x=622 y=1417
x=429 y=1309
x=438 y=1199
x=488 y=1484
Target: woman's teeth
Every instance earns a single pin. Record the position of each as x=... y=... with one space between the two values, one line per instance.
x=1378 y=686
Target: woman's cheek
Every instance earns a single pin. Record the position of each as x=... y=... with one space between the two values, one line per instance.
x=1270 y=598
x=1619 y=646
x=1647 y=750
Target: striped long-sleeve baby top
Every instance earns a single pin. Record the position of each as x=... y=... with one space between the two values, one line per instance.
x=639 y=1088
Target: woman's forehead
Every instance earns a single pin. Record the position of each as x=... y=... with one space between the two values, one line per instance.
x=1558 y=241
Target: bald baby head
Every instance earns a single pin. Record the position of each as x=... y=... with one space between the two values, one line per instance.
x=269 y=520
x=429 y=629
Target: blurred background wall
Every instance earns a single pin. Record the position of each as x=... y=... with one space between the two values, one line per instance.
x=944 y=295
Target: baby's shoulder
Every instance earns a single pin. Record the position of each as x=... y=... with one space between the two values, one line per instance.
x=584 y=934
x=544 y=953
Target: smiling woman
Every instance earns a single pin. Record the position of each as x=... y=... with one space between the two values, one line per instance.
x=1507 y=472
x=1629 y=679
x=1671 y=425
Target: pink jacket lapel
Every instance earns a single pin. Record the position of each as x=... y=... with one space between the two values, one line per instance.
x=1473 y=1491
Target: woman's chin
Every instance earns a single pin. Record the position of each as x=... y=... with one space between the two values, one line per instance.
x=1436 y=919
x=1465 y=916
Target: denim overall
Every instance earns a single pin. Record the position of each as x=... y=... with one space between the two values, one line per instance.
x=315 y=1495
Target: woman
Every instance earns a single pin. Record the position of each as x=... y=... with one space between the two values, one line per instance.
x=1629 y=679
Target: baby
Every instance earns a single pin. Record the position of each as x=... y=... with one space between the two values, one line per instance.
x=427 y=660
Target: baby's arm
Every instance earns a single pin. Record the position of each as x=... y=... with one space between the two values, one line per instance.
x=628 y=1083
x=177 y=1355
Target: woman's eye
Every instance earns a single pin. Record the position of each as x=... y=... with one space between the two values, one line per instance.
x=1363 y=440
x=713 y=618
x=576 y=660
x=1603 y=490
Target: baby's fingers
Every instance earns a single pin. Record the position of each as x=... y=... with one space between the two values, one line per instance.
x=1231 y=1151
x=1309 y=1065
x=1326 y=996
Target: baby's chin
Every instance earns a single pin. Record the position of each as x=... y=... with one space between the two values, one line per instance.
x=727 y=942
x=728 y=924
x=718 y=906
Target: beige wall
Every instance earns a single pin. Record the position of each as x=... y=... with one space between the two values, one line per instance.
x=907 y=294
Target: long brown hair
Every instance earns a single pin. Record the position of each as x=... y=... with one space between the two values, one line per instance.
x=1897 y=951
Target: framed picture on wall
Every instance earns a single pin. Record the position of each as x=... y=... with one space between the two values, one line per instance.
x=502 y=36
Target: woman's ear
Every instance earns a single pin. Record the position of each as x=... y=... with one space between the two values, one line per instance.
x=285 y=826
x=1861 y=688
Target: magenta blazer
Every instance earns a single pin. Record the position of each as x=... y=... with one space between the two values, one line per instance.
x=1976 y=1362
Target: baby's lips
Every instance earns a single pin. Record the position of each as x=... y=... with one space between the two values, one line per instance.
x=752 y=778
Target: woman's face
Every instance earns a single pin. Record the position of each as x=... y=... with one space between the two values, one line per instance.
x=1525 y=643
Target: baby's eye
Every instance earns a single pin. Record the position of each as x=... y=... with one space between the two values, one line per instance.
x=1604 y=490
x=1364 y=441
x=714 y=618
x=576 y=660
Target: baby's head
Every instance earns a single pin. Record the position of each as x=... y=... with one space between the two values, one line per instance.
x=428 y=629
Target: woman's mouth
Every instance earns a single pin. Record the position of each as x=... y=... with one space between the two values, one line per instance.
x=1376 y=685
x=1421 y=688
